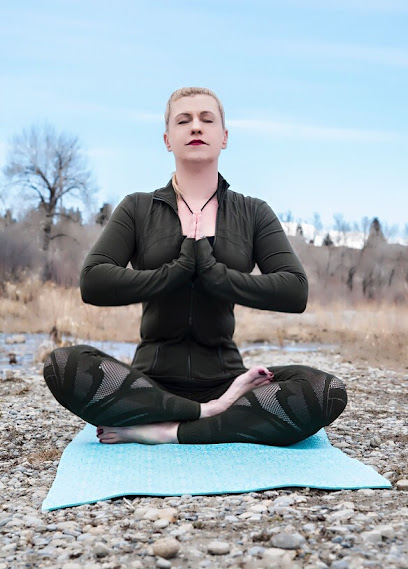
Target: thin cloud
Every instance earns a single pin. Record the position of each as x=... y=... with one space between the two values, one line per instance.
x=312 y=132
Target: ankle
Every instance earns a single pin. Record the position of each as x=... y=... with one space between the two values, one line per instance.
x=210 y=409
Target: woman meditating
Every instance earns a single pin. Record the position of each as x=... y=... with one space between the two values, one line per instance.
x=192 y=246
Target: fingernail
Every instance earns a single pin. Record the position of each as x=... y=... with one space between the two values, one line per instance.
x=262 y=372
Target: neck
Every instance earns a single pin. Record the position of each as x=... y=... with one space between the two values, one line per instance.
x=197 y=182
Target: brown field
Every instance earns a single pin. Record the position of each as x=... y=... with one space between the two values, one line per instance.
x=373 y=333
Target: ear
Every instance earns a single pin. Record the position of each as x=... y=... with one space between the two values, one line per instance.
x=225 y=139
x=167 y=141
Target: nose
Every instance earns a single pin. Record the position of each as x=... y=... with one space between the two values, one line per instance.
x=196 y=125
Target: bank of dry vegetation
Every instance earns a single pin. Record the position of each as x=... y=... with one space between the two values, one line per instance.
x=370 y=331
x=358 y=299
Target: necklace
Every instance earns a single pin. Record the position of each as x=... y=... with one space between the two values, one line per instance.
x=208 y=201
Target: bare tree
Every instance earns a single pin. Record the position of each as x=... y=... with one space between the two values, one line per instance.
x=317 y=224
x=48 y=168
x=341 y=226
x=365 y=225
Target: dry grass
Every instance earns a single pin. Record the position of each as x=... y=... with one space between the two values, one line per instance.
x=43 y=456
x=371 y=332
x=34 y=307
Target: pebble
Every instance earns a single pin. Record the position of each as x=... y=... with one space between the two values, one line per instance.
x=162 y=563
x=402 y=484
x=373 y=536
x=167 y=547
x=218 y=548
x=100 y=549
x=278 y=558
x=375 y=441
x=340 y=564
x=288 y=540
x=161 y=523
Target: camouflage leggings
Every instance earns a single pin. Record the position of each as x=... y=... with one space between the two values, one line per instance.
x=104 y=391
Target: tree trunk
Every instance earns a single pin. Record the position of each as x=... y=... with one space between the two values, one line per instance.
x=47 y=226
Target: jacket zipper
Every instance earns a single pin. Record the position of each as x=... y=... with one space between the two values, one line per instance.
x=190 y=314
x=156 y=357
x=190 y=325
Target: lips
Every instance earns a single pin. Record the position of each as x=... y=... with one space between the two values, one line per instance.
x=195 y=143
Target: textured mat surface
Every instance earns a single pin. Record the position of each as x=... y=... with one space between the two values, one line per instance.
x=90 y=471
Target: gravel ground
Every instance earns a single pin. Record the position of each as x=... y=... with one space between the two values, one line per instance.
x=287 y=528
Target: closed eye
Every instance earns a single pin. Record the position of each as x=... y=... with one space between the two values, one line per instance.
x=184 y=122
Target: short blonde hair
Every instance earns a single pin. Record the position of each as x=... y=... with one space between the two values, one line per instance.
x=189 y=92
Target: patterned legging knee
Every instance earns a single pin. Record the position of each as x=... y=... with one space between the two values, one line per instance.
x=104 y=391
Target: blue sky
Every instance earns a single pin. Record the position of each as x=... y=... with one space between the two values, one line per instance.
x=315 y=93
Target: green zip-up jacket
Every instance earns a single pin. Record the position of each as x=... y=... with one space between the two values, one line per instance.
x=188 y=288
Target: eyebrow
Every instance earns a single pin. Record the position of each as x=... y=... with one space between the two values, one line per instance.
x=189 y=114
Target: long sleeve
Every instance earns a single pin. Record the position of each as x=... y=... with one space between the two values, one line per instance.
x=105 y=279
x=282 y=286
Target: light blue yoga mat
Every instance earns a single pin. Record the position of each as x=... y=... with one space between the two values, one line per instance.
x=90 y=471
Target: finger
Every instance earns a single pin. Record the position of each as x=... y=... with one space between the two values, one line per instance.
x=192 y=229
x=199 y=229
x=265 y=372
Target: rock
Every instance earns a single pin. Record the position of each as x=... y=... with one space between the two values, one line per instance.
x=218 y=548
x=258 y=508
x=375 y=442
x=287 y=540
x=390 y=475
x=278 y=558
x=341 y=515
x=167 y=547
x=100 y=549
x=256 y=551
x=16 y=339
x=402 y=484
x=282 y=502
x=139 y=513
x=32 y=521
x=151 y=514
x=161 y=524
x=340 y=564
x=255 y=518
x=366 y=491
x=169 y=514
x=373 y=536
x=162 y=563
x=12 y=358
x=386 y=531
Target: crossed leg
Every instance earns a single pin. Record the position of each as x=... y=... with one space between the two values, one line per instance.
x=166 y=432
x=131 y=407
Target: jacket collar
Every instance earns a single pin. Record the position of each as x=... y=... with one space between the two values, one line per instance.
x=168 y=195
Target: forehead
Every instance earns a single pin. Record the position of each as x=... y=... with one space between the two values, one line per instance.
x=194 y=104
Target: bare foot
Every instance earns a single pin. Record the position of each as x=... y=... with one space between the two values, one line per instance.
x=254 y=377
x=150 y=434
